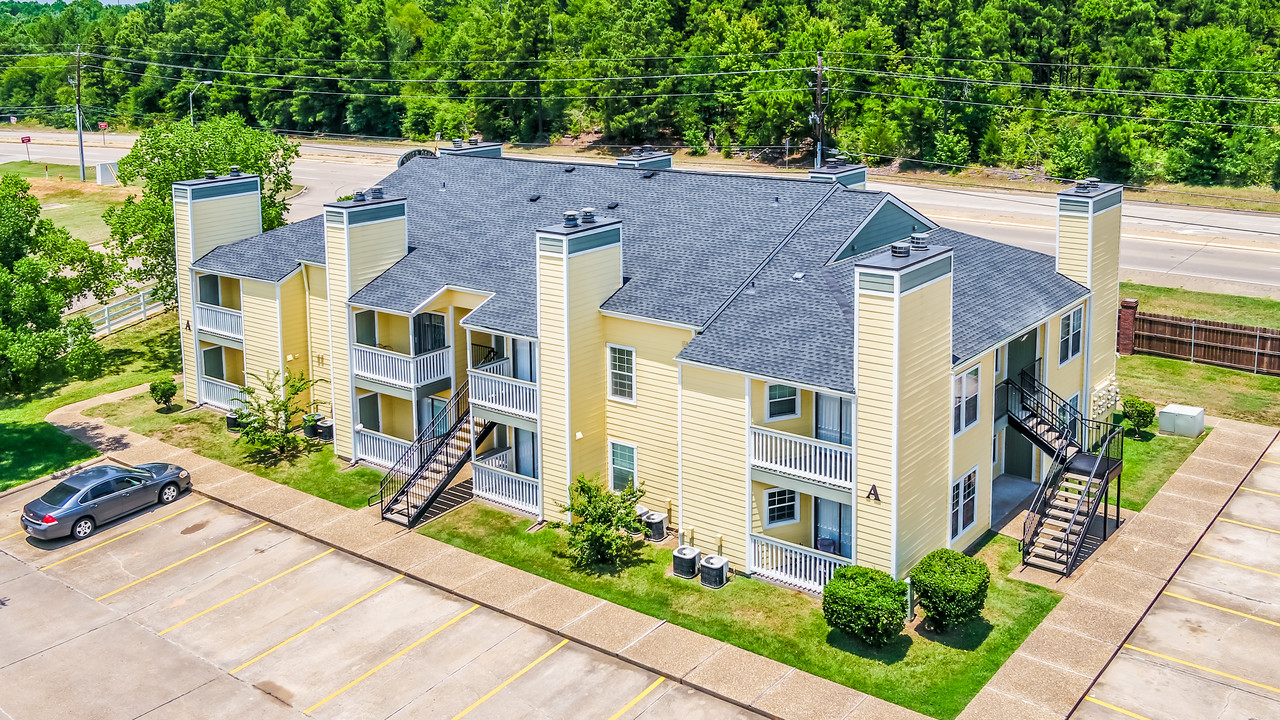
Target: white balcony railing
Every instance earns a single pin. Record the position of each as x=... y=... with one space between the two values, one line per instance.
x=506 y=488
x=792 y=565
x=220 y=394
x=220 y=321
x=402 y=370
x=808 y=458
x=493 y=387
x=378 y=449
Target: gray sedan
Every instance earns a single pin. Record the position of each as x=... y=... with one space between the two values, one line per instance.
x=82 y=502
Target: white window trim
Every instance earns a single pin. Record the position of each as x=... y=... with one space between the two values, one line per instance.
x=776 y=418
x=608 y=369
x=795 y=502
x=950 y=490
x=1071 y=314
x=635 y=455
x=977 y=392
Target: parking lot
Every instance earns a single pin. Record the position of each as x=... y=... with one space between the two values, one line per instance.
x=198 y=610
x=1210 y=645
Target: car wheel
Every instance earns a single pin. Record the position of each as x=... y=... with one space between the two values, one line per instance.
x=169 y=493
x=82 y=529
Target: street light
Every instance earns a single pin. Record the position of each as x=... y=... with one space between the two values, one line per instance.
x=190 y=107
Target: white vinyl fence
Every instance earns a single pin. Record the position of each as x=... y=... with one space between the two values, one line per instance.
x=125 y=311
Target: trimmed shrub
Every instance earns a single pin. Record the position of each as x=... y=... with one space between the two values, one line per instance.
x=163 y=391
x=865 y=603
x=951 y=587
x=1139 y=413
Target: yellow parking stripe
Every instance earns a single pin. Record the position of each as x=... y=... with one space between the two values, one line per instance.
x=510 y=680
x=121 y=537
x=391 y=659
x=1239 y=565
x=1201 y=667
x=1223 y=609
x=6 y=537
x=1260 y=492
x=176 y=564
x=1120 y=710
x=636 y=699
x=1275 y=462
x=1245 y=524
x=315 y=624
x=239 y=595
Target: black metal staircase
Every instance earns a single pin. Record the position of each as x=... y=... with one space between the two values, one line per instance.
x=1087 y=456
x=424 y=472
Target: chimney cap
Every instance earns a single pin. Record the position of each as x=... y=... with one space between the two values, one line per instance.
x=919 y=241
x=210 y=174
x=375 y=192
x=588 y=215
x=357 y=196
x=570 y=218
x=235 y=170
x=899 y=249
x=473 y=140
x=457 y=142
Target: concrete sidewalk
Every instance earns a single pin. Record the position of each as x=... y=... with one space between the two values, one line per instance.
x=745 y=679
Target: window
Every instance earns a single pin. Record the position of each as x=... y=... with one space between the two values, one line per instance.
x=622 y=373
x=1072 y=335
x=209 y=289
x=214 y=367
x=965 y=408
x=622 y=466
x=783 y=402
x=780 y=507
x=101 y=490
x=964 y=501
x=367 y=328
x=428 y=333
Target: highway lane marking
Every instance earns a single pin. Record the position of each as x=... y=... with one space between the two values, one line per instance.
x=171 y=566
x=1120 y=710
x=1219 y=673
x=1222 y=609
x=510 y=680
x=1260 y=492
x=316 y=624
x=1239 y=565
x=239 y=595
x=1245 y=524
x=391 y=659
x=637 y=699
x=121 y=537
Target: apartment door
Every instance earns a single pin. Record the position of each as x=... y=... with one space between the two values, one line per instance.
x=522 y=359
x=835 y=419
x=526 y=453
x=1018 y=451
x=370 y=409
x=428 y=409
x=833 y=531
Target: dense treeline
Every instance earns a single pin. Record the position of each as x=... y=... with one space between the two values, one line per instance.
x=1076 y=86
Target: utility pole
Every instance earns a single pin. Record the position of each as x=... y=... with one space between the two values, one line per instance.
x=79 y=118
x=817 y=162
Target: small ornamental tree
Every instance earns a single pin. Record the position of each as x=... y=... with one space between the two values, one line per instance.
x=1140 y=413
x=163 y=392
x=865 y=603
x=603 y=522
x=274 y=409
x=951 y=586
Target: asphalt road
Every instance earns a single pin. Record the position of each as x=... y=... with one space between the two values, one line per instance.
x=1205 y=249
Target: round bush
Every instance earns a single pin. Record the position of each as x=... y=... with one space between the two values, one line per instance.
x=865 y=603
x=951 y=587
x=1140 y=413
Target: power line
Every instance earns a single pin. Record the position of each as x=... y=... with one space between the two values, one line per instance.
x=1032 y=63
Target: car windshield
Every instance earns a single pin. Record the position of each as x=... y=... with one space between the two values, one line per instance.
x=59 y=494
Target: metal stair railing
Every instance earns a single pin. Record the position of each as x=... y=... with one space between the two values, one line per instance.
x=1104 y=487
x=1048 y=488
x=411 y=463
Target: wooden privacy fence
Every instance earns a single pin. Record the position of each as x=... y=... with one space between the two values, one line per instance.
x=1242 y=347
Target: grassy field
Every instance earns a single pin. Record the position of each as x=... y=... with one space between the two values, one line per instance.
x=1220 y=391
x=1204 y=306
x=31 y=448
x=1149 y=461
x=70 y=203
x=49 y=171
x=936 y=674
x=205 y=432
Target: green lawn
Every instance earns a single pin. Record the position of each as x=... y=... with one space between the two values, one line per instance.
x=49 y=170
x=31 y=448
x=931 y=673
x=205 y=432
x=1149 y=461
x=1222 y=392
x=1204 y=306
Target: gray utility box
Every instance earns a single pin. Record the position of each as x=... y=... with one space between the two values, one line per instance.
x=685 y=561
x=715 y=571
x=1182 y=420
x=656 y=523
x=107 y=173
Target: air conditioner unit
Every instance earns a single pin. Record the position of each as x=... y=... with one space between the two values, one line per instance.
x=685 y=561
x=641 y=511
x=657 y=523
x=715 y=571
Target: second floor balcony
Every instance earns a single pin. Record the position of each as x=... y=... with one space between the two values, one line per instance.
x=803 y=457
x=493 y=387
x=218 y=320
x=393 y=368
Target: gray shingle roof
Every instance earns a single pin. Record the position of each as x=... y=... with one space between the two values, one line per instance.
x=270 y=256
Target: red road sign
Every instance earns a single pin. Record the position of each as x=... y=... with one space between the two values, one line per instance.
x=102 y=126
x=26 y=139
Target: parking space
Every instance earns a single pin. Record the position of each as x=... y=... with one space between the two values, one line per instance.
x=198 y=610
x=1210 y=645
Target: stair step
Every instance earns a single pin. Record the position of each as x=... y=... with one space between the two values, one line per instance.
x=1045 y=564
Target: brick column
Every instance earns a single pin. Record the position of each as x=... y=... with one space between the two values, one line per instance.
x=1124 y=329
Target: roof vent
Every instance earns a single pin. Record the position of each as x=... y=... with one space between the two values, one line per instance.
x=588 y=215
x=235 y=171
x=900 y=250
x=570 y=169
x=534 y=198
x=571 y=218
x=750 y=289
x=647 y=149
x=1093 y=181
x=473 y=140
x=649 y=174
x=919 y=241
x=797 y=277
x=209 y=174
x=457 y=142
x=358 y=196
x=1082 y=185
x=636 y=149
x=441 y=186
x=613 y=205
x=375 y=192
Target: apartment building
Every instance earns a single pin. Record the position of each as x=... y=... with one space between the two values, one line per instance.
x=800 y=372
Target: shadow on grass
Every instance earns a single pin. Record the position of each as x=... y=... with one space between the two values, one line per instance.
x=895 y=651
x=633 y=558
x=270 y=457
x=967 y=637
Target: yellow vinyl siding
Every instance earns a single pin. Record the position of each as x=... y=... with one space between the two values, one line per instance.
x=1066 y=379
x=262 y=352
x=460 y=303
x=799 y=533
x=223 y=220
x=393 y=333
x=592 y=278
x=374 y=248
x=972 y=448
x=182 y=258
x=295 y=345
x=318 y=336
x=339 y=339
x=650 y=423
x=397 y=417
x=800 y=425
x=232 y=363
x=552 y=384
x=714 y=419
x=229 y=290
x=874 y=438
x=1106 y=294
x=1073 y=247
x=924 y=421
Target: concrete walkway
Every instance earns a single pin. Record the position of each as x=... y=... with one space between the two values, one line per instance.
x=1055 y=666
x=745 y=679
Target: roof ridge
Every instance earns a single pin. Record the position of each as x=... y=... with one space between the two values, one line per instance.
x=672 y=171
